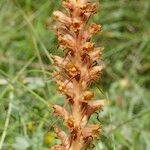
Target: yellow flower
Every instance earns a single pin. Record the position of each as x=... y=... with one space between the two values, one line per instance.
x=31 y=126
x=49 y=138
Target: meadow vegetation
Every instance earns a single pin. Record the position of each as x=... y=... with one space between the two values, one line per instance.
x=27 y=41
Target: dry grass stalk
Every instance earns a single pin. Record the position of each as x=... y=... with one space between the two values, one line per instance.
x=76 y=72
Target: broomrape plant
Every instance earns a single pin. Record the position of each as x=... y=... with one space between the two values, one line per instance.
x=75 y=73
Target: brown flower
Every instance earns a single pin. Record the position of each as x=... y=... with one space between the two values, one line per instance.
x=75 y=72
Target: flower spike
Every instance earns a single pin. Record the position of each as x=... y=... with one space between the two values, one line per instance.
x=75 y=73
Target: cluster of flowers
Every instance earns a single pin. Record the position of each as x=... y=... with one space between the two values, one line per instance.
x=75 y=72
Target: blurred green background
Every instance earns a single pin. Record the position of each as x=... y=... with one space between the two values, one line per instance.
x=27 y=39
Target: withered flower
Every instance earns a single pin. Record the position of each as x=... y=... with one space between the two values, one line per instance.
x=75 y=73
